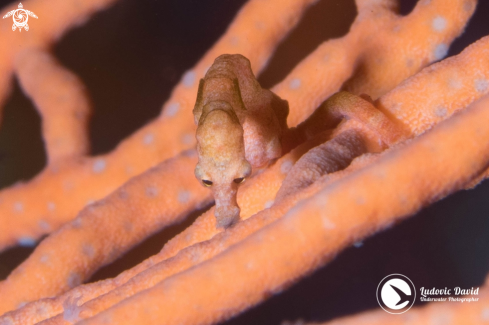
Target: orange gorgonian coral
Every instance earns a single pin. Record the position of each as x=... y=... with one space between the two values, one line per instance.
x=405 y=131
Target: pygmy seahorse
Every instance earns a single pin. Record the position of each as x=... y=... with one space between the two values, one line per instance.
x=239 y=127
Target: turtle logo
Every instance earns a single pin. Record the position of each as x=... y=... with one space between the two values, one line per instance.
x=20 y=17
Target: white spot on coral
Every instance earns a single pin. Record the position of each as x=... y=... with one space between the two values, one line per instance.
x=88 y=250
x=380 y=174
x=277 y=290
x=195 y=256
x=99 y=166
x=295 y=83
x=441 y=318
x=51 y=206
x=22 y=304
x=123 y=194
x=388 y=225
x=26 y=242
x=260 y=25
x=397 y=107
x=454 y=83
x=71 y=310
x=151 y=191
x=128 y=226
x=439 y=24
x=189 y=237
x=90 y=202
x=7 y=321
x=44 y=225
x=286 y=166
x=77 y=223
x=441 y=50
x=42 y=309
x=107 y=319
x=441 y=112
x=172 y=109
x=396 y=28
x=328 y=224
x=188 y=79
x=358 y=244
x=44 y=259
x=234 y=40
x=129 y=170
x=188 y=138
x=481 y=85
x=190 y=153
x=183 y=196
x=360 y=200
x=74 y=280
x=68 y=185
x=148 y=139
x=54 y=169
x=485 y=314
x=269 y=204
x=18 y=207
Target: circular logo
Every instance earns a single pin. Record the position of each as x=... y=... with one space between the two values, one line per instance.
x=396 y=294
x=20 y=17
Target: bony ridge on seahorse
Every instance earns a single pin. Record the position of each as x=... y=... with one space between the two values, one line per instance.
x=240 y=126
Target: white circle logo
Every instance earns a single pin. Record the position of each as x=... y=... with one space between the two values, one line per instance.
x=20 y=17
x=396 y=294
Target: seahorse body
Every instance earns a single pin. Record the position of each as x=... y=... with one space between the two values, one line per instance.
x=240 y=126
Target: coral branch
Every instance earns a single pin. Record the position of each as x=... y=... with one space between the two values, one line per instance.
x=317 y=228
x=263 y=187
x=452 y=84
x=186 y=257
x=256 y=194
x=42 y=201
x=436 y=80
x=162 y=196
x=192 y=255
x=68 y=13
x=61 y=100
x=377 y=54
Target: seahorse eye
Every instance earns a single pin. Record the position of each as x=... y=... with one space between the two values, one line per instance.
x=207 y=183
x=239 y=180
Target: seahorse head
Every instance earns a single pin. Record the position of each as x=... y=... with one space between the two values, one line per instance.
x=222 y=165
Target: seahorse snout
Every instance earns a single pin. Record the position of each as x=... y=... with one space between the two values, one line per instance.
x=226 y=216
x=227 y=210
